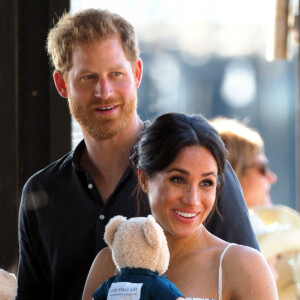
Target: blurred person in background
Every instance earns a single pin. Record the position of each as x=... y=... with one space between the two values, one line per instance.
x=248 y=159
x=277 y=227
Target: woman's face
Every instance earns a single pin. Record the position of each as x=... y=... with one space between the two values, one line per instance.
x=182 y=195
x=256 y=182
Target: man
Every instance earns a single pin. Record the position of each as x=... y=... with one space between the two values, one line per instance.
x=65 y=207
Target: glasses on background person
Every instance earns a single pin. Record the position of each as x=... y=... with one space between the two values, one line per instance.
x=246 y=155
x=262 y=167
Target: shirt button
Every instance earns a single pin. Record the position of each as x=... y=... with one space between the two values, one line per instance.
x=90 y=186
x=101 y=217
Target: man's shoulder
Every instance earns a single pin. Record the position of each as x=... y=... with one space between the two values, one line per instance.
x=231 y=188
x=54 y=169
x=49 y=181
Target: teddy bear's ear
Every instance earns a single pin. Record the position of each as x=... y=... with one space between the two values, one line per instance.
x=111 y=228
x=153 y=232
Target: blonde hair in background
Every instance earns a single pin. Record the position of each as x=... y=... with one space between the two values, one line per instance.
x=242 y=142
x=88 y=26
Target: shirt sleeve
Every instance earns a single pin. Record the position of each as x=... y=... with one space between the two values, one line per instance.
x=32 y=283
x=233 y=224
x=102 y=291
x=163 y=289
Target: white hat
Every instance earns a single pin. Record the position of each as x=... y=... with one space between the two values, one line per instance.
x=288 y=269
x=277 y=229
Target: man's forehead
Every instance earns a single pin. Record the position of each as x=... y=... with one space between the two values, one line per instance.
x=96 y=40
x=112 y=45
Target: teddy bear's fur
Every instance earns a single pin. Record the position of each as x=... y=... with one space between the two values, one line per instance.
x=140 y=252
x=137 y=243
x=8 y=285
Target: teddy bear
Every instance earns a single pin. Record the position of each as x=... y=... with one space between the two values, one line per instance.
x=8 y=285
x=141 y=254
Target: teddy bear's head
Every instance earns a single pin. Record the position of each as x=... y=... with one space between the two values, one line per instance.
x=137 y=243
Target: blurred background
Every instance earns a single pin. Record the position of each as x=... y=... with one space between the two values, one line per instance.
x=214 y=57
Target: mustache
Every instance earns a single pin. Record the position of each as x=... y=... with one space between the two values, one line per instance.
x=108 y=102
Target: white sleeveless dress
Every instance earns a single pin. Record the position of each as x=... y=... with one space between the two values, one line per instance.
x=220 y=277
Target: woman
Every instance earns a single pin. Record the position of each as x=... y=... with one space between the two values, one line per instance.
x=248 y=160
x=180 y=162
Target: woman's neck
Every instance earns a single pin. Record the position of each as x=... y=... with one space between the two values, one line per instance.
x=184 y=246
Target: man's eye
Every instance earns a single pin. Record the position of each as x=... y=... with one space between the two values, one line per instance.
x=89 y=77
x=117 y=74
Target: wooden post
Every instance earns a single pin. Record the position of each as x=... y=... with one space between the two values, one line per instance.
x=35 y=123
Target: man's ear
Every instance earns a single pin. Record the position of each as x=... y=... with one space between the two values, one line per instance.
x=138 y=71
x=60 y=83
x=143 y=180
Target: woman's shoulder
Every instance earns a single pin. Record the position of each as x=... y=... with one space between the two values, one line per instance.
x=104 y=255
x=239 y=255
x=103 y=265
x=102 y=268
x=245 y=272
x=241 y=258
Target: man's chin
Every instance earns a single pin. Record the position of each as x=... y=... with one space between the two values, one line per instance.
x=104 y=132
x=107 y=127
x=103 y=135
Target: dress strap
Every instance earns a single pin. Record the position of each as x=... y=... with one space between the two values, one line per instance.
x=220 y=270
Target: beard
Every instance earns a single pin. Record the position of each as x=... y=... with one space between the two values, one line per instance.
x=103 y=127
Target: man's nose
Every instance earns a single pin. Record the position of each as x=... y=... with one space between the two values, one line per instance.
x=103 y=89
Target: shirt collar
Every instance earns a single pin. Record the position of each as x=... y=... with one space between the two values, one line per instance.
x=138 y=271
x=77 y=155
x=81 y=147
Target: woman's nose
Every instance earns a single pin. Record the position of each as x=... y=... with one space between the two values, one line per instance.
x=192 y=196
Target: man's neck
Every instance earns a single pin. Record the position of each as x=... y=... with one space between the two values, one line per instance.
x=107 y=160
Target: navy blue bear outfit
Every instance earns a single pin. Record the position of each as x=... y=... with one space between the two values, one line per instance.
x=137 y=282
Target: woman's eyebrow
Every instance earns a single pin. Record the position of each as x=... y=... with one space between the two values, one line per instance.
x=178 y=170
x=210 y=173
x=187 y=173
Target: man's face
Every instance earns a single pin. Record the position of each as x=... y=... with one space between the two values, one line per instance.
x=102 y=88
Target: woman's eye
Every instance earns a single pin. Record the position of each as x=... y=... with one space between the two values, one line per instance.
x=177 y=179
x=207 y=182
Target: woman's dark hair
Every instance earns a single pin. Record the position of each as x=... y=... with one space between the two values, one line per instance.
x=161 y=142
